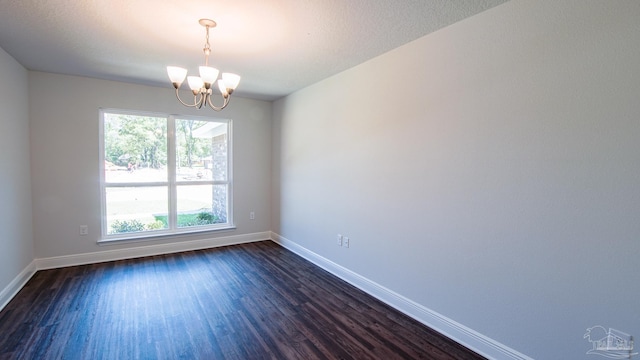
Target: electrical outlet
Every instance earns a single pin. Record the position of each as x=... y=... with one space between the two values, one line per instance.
x=252 y=215
x=345 y=241
x=84 y=230
x=339 y=240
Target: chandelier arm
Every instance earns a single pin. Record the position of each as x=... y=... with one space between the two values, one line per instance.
x=200 y=102
x=196 y=103
x=224 y=104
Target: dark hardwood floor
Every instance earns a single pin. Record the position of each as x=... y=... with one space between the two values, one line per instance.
x=251 y=301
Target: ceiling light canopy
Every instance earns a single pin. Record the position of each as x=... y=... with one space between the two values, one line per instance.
x=201 y=86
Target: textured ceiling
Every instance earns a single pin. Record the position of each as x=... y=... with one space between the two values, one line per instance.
x=277 y=46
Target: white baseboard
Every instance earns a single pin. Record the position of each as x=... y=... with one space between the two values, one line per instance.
x=473 y=340
x=16 y=284
x=149 y=250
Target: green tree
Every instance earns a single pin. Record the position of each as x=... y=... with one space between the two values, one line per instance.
x=191 y=148
x=140 y=140
x=186 y=128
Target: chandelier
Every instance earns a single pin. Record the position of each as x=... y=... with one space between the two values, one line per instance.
x=201 y=85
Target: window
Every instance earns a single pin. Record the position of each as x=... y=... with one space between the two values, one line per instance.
x=164 y=174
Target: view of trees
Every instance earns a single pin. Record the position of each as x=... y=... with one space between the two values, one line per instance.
x=128 y=140
x=142 y=141
x=136 y=172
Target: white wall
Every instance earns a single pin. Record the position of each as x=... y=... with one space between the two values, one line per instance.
x=16 y=237
x=64 y=135
x=489 y=172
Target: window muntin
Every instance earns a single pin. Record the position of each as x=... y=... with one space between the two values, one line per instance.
x=164 y=174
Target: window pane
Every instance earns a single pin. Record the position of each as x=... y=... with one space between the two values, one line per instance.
x=135 y=148
x=201 y=205
x=201 y=150
x=135 y=209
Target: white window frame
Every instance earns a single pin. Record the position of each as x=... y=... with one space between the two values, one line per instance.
x=172 y=183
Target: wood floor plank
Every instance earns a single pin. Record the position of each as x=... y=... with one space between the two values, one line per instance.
x=250 y=301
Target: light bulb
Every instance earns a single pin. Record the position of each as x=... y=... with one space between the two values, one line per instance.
x=208 y=75
x=176 y=75
x=231 y=80
x=222 y=87
x=195 y=83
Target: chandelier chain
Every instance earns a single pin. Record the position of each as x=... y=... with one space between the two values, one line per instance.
x=207 y=48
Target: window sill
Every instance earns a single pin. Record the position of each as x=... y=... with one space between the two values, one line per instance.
x=156 y=236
